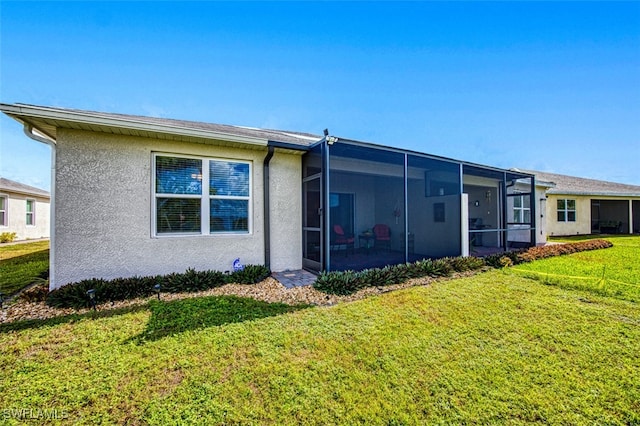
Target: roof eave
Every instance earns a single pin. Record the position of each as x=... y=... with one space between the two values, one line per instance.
x=595 y=194
x=22 y=112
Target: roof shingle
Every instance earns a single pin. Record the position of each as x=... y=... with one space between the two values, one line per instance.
x=9 y=185
x=573 y=185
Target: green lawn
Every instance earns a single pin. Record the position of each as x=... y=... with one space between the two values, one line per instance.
x=611 y=272
x=493 y=348
x=22 y=264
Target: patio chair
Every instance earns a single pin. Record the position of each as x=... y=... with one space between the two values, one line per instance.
x=339 y=238
x=383 y=235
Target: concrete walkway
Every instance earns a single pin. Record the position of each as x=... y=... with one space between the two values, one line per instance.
x=13 y=243
x=298 y=278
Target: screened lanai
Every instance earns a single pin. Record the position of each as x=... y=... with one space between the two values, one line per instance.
x=369 y=206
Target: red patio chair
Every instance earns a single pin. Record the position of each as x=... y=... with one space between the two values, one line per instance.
x=383 y=235
x=342 y=239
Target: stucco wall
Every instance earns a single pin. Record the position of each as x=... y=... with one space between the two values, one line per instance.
x=542 y=215
x=581 y=226
x=17 y=216
x=103 y=211
x=285 y=192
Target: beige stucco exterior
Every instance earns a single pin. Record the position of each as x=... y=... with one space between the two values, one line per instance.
x=16 y=215
x=104 y=210
x=582 y=224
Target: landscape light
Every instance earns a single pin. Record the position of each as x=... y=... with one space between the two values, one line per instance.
x=157 y=290
x=92 y=298
x=1 y=299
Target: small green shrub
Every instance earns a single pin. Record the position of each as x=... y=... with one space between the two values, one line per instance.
x=251 y=274
x=465 y=263
x=441 y=268
x=499 y=260
x=7 y=237
x=341 y=283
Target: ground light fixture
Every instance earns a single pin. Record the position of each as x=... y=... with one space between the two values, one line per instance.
x=92 y=298
x=2 y=299
x=156 y=288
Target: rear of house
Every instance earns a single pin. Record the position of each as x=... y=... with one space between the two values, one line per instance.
x=143 y=196
x=24 y=210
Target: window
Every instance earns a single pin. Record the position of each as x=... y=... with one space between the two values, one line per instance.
x=201 y=195
x=31 y=212
x=3 y=211
x=566 y=210
x=522 y=209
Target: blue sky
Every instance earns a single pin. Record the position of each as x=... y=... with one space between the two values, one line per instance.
x=538 y=85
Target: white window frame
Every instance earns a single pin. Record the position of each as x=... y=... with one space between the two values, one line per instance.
x=32 y=212
x=204 y=197
x=565 y=212
x=522 y=209
x=4 y=221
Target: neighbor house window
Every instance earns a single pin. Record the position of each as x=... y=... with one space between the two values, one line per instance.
x=201 y=195
x=566 y=210
x=522 y=209
x=3 y=211
x=31 y=212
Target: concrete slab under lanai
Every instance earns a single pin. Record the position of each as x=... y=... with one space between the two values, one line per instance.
x=292 y=279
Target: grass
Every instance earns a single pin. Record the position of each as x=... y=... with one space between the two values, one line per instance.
x=492 y=348
x=611 y=272
x=22 y=264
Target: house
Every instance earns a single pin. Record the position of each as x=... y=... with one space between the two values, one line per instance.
x=577 y=206
x=138 y=195
x=23 y=210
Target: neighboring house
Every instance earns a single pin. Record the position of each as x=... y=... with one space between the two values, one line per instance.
x=139 y=196
x=23 y=210
x=576 y=206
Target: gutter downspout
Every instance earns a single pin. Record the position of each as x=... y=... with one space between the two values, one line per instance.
x=267 y=217
x=28 y=130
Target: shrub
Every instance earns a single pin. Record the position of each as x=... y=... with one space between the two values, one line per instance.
x=465 y=263
x=340 y=283
x=348 y=282
x=7 y=237
x=501 y=260
x=543 y=252
x=441 y=268
x=75 y=294
x=251 y=274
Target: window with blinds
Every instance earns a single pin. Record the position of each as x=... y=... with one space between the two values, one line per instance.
x=201 y=195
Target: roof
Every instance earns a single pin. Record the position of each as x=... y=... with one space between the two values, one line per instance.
x=571 y=185
x=13 y=186
x=48 y=119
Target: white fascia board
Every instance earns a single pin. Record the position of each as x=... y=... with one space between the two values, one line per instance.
x=120 y=122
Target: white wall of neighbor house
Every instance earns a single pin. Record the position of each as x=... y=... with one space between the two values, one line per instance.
x=104 y=190
x=16 y=216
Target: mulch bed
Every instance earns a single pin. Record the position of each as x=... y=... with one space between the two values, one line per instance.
x=268 y=290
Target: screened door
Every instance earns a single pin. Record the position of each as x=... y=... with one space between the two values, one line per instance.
x=312 y=238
